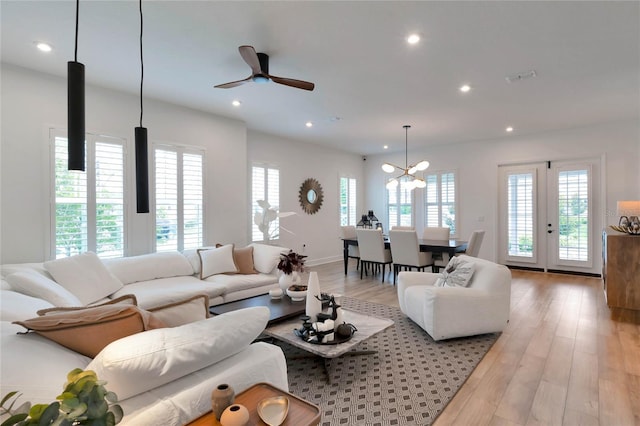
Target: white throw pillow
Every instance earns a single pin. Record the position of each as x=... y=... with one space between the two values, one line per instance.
x=193 y=309
x=457 y=273
x=144 y=361
x=149 y=267
x=35 y=285
x=85 y=276
x=266 y=257
x=17 y=306
x=217 y=261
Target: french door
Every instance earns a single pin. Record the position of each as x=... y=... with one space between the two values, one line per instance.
x=549 y=215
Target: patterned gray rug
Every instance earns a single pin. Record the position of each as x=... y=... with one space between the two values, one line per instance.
x=409 y=381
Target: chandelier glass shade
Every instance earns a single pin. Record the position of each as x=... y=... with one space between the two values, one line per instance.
x=407 y=177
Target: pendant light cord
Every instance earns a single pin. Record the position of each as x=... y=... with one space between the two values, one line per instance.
x=141 y=65
x=75 y=56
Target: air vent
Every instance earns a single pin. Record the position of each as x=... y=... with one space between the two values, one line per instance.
x=514 y=78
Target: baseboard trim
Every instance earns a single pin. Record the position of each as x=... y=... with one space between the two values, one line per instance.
x=584 y=274
x=525 y=268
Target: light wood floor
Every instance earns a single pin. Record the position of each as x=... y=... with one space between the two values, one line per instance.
x=564 y=358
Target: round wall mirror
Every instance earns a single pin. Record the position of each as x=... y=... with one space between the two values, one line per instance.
x=310 y=196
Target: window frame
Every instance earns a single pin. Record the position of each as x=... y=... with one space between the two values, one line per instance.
x=352 y=219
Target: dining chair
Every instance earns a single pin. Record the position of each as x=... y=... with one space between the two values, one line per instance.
x=349 y=233
x=406 y=252
x=440 y=260
x=403 y=228
x=475 y=241
x=372 y=251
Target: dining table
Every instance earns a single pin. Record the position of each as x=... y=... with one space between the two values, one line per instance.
x=451 y=247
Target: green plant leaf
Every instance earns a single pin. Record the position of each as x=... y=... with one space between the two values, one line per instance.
x=45 y=414
x=111 y=397
x=8 y=396
x=117 y=412
x=15 y=419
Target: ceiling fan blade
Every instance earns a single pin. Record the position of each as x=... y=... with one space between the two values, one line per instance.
x=299 y=84
x=232 y=84
x=250 y=56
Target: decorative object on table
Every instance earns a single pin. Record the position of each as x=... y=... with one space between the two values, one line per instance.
x=273 y=411
x=266 y=220
x=85 y=400
x=324 y=333
x=311 y=196
x=333 y=310
x=408 y=177
x=629 y=221
x=297 y=292
x=314 y=302
x=291 y=265
x=221 y=398
x=235 y=415
x=275 y=293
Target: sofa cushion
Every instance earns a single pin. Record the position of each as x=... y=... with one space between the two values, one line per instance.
x=243 y=258
x=85 y=276
x=37 y=285
x=457 y=273
x=88 y=330
x=266 y=257
x=241 y=282
x=11 y=268
x=127 y=299
x=144 y=361
x=193 y=309
x=149 y=266
x=216 y=261
x=18 y=306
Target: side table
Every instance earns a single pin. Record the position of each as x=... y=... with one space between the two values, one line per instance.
x=301 y=412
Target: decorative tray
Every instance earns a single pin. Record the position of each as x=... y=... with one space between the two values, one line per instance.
x=626 y=229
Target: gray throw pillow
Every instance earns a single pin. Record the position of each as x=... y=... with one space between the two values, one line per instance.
x=457 y=273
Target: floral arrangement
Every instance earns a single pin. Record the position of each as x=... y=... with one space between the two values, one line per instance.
x=84 y=401
x=291 y=262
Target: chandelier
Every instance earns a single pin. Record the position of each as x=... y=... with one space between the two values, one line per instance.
x=410 y=181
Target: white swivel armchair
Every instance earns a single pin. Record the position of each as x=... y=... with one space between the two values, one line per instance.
x=372 y=250
x=447 y=312
x=406 y=252
x=441 y=259
x=349 y=233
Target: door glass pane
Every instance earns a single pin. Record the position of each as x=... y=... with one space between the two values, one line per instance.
x=573 y=215
x=520 y=209
x=166 y=200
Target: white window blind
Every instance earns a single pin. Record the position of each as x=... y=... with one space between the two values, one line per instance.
x=399 y=207
x=440 y=200
x=179 y=193
x=347 y=201
x=89 y=206
x=265 y=186
x=520 y=211
x=573 y=215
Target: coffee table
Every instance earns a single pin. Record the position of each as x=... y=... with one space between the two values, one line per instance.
x=367 y=326
x=301 y=412
x=280 y=309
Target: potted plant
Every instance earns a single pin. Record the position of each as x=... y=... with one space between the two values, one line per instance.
x=84 y=401
x=291 y=264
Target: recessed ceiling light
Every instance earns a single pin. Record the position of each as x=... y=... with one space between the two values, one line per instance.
x=236 y=103
x=43 y=47
x=509 y=129
x=465 y=88
x=386 y=147
x=413 y=39
x=309 y=124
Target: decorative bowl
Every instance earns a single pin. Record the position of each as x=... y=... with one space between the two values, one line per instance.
x=273 y=411
x=297 y=293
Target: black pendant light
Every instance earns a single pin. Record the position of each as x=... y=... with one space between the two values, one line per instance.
x=75 y=108
x=142 y=162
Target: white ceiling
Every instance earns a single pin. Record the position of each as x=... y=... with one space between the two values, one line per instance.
x=586 y=55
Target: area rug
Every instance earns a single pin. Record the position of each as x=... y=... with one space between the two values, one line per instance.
x=409 y=381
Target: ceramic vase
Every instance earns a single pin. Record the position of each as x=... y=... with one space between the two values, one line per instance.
x=235 y=415
x=287 y=280
x=221 y=398
x=314 y=304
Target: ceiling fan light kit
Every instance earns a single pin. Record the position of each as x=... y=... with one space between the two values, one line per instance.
x=408 y=171
x=259 y=63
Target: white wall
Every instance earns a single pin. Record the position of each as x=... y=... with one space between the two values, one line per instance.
x=34 y=102
x=298 y=161
x=477 y=168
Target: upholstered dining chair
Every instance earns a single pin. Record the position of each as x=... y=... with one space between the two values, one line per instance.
x=406 y=252
x=372 y=251
x=349 y=233
x=475 y=241
x=440 y=260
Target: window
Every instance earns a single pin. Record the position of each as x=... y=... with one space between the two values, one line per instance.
x=89 y=206
x=520 y=214
x=347 y=201
x=265 y=187
x=179 y=194
x=440 y=200
x=573 y=215
x=399 y=206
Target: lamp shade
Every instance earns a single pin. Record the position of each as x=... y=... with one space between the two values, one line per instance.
x=628 y=208
x=142 y=170
x=75 y=115
x=388 y=168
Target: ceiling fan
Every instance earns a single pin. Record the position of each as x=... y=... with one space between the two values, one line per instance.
x=259 y=63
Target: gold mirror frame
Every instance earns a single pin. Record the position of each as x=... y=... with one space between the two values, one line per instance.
x=306 y=187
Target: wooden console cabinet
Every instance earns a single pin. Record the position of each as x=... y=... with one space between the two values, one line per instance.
x=621 y=269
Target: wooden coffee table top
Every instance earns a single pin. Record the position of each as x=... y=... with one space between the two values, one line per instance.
x=301 y=412
x=280 y=309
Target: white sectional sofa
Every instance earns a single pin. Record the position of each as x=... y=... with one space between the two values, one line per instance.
x=161 y=376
